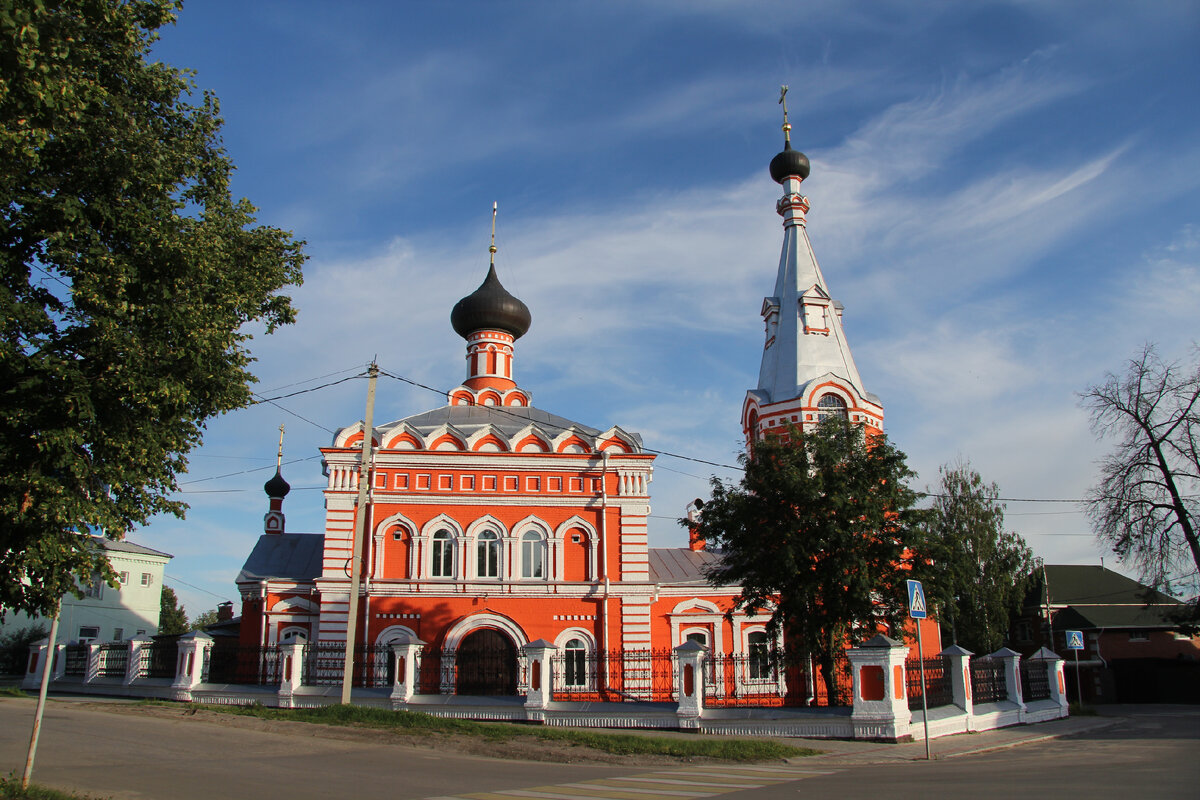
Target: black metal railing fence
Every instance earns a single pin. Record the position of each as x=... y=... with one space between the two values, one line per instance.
x=325 y=664
x=158 y=659
x=615 y=676
x=76 y=660
x=240 y=664
x=988 y=683
x=114 y=659
x=1035 y=680
x=743 y=679
x=939 y=691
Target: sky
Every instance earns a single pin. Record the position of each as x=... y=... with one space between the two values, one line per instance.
x=1004 y=195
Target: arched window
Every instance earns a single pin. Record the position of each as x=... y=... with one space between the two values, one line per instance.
x=443 y=555
x=575 y=663
x=533 y=554
x=759 y=656
x=698 y=638
x=289 y=635
x=831 y=405
x=487 y=549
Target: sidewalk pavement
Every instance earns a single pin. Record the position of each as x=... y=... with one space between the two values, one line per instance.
x=857 y=752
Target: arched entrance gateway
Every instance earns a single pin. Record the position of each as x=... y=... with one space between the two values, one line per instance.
x=486 y=662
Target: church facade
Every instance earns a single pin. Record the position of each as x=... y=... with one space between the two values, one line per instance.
x=491 y=524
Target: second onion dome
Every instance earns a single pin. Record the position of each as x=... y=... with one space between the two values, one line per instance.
x=277 y=487
x=789 y=162
x=490 y=307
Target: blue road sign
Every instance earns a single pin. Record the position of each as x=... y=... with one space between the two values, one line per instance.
x=916 y=600
x=1074 y=640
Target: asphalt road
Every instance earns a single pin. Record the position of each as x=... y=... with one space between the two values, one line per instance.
x=1147 y=752
x=1144 y=751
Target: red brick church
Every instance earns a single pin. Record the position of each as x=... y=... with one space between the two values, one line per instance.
x=492 y=523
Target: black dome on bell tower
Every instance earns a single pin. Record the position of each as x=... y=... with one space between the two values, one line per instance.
x=277 y=487
x=490 y=307
x=789 y=162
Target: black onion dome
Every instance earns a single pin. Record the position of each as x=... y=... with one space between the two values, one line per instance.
x=789 y=162
x=490 y=307
x=277 y=486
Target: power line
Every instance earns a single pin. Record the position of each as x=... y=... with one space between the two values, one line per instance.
x=197 y=588
x=503 y=410
x=310 y=380
x=245 y=471
x=305 y=391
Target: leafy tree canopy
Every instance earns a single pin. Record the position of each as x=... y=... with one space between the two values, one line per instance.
x=172 y=618
x=128 y=279
x=977 y=573
x=204 y=619
x=816 y=532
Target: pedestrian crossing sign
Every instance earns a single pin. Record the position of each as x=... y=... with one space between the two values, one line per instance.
x=916 y=600
x=1074 y=640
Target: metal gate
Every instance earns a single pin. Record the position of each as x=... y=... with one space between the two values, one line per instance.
x=486 y=663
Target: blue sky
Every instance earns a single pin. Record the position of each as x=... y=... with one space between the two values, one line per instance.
x=1005 y=197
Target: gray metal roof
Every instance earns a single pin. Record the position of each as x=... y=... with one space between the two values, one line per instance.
x=508 y=419
x=287 y=556
x=129 y=547
x=680 y=565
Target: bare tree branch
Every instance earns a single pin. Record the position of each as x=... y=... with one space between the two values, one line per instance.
x=1146 y=502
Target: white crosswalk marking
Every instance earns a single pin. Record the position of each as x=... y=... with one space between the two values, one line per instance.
x=677 y=784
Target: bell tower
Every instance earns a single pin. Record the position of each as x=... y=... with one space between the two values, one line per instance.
x=807 y=371
x=491 y=320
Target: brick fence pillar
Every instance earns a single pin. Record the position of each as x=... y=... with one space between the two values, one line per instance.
x=1054 y=674
x=880 y=693
x=189 y=667
x=40 y=653
x=406 y=655
x=540 y=691
x=689 y=683
x=1012 y=675
x=958 y=662
x=133 y=668
x=291 y=671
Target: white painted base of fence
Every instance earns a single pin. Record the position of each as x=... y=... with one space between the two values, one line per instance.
x=881 y=711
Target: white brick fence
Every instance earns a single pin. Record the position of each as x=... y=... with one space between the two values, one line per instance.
x=696 y=693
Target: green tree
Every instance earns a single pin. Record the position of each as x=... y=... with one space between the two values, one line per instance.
x=130 y=282
x=172 y=618
x=1147 y=503
x=816 y=531
x=204 y=619
x=979 y=572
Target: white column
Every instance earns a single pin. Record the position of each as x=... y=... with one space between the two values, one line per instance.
x=291 y=671
x=689 y=683
x=133 y=668
x=40 y=653
x=189 y=667
x=1054 y=674
x=958 y=662
x=406 y=654
x=92 y=671
x=880 y=696
x=540 y=691
x=1012 y=675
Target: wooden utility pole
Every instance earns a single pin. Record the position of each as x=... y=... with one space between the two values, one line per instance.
x=361 y=521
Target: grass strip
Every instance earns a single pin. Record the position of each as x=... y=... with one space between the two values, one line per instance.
x=413 y=723
x=10 y=789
